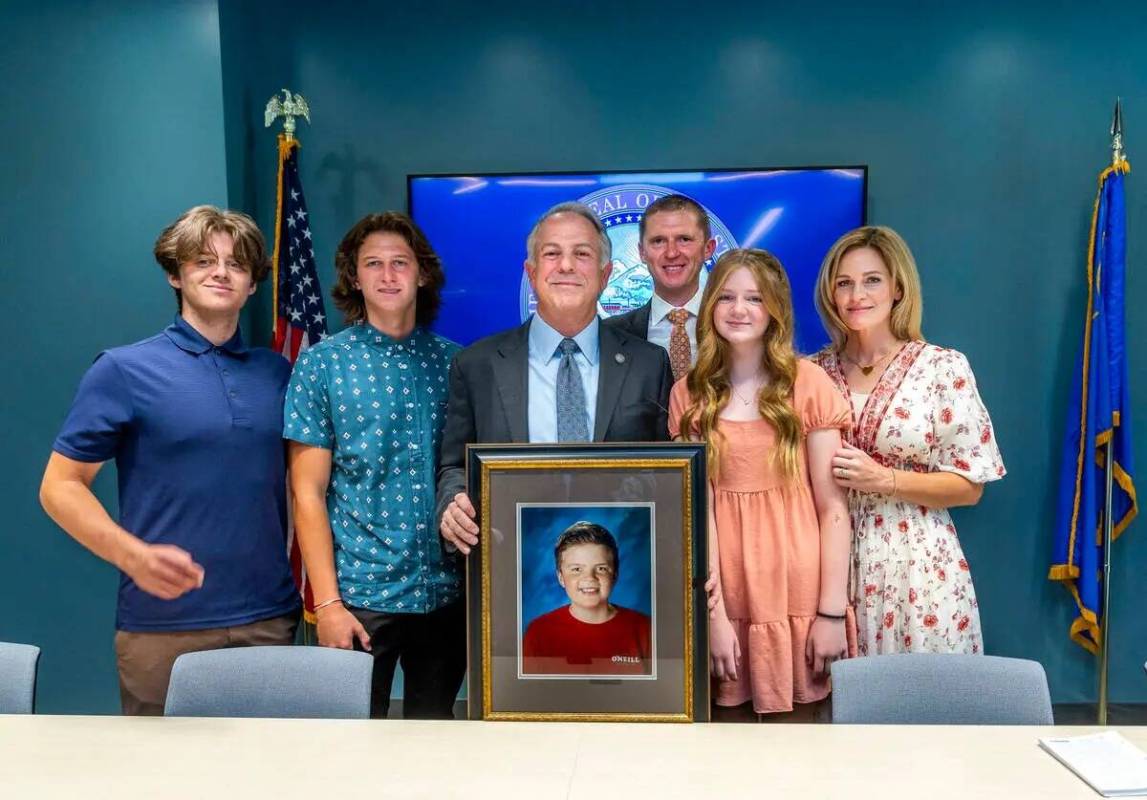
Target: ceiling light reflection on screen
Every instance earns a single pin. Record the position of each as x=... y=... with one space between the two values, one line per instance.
x=763 y=226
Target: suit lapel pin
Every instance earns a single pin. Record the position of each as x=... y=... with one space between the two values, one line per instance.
x=619 y=358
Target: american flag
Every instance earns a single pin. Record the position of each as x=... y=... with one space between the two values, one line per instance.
x=300 y=315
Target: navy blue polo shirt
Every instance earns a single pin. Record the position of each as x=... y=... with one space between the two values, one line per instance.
x=196 y=434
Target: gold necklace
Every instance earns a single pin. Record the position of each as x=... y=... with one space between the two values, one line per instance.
x=738 y=394
x=866 y=369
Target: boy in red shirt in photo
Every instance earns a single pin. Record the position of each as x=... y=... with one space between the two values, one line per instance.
x=589 y=636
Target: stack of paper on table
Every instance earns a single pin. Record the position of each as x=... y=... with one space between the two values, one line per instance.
x=1110 y=764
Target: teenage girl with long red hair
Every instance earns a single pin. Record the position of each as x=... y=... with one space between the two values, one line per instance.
x=779 y=533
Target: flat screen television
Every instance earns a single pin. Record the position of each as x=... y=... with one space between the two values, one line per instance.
x=478 y=224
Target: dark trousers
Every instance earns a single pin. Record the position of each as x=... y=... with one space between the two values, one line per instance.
x=432 y=650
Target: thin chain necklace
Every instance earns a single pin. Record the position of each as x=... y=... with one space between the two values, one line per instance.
x=866 y=369
x=742 y=399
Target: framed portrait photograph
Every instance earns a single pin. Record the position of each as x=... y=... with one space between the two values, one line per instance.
x=586 y=591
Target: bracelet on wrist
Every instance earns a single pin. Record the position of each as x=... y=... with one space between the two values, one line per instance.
x=835 y=617
x=325 y=603
x=892 y=494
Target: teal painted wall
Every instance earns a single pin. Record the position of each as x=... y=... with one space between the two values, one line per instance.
x=113 y=125
x=983 y=127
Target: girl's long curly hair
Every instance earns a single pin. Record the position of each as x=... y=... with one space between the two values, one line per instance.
x=708 y=381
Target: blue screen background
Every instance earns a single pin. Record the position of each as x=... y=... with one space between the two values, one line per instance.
x=540 y=528
x=479 y=224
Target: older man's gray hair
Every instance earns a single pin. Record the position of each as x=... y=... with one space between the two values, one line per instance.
x=582 y=210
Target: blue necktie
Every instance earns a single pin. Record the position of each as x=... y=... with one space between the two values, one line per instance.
x=572 y=425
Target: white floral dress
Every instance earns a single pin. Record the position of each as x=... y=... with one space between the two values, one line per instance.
x=910 y=581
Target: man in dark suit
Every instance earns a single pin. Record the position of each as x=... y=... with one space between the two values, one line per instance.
x=674 y=242
x=560 y=377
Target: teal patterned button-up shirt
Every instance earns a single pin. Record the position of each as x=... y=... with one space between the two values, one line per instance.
x=379 y=404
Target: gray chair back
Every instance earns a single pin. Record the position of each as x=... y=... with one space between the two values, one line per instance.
x=298 y=681
x=18 y=678
x=926 y=688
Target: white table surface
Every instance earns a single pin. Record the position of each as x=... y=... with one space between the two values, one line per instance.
x=117 y=757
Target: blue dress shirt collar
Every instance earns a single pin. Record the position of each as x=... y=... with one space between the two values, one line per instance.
x=544 y=340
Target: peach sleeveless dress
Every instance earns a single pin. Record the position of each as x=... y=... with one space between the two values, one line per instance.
x=769 y=539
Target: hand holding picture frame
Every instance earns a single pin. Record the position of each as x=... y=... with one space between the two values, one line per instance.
x=586 y=592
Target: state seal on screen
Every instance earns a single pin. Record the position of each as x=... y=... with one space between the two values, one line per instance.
x=620 y=209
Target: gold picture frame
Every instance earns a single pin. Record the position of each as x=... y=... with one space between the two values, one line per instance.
x=652 y=497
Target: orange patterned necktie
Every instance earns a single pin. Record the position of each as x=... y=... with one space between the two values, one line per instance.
x=680 y=354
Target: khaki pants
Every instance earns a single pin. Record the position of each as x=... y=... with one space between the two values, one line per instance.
x=145 y=659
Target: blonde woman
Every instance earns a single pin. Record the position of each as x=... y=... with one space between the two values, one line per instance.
x=921 y=443
x=779 y=530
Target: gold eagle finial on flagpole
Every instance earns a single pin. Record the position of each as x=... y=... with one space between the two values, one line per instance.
x=289 y=107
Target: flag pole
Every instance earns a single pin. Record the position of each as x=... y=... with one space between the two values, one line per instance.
x=1109 y=479
x=291 y=105
x=287 y=108
x=1108 y=461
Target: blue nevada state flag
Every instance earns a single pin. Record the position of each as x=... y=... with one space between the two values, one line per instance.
x=1098 y=418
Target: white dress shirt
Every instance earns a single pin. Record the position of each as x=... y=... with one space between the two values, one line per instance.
x=660 y=327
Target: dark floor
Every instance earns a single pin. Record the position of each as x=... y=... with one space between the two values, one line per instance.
x=1085 y=714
